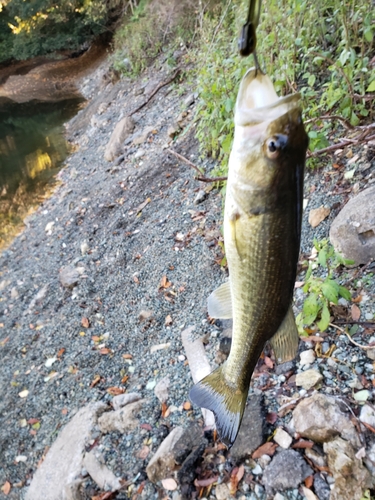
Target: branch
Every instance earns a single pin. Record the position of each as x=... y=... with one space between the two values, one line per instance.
x=346 y=142
x=161 y=85
x=344 y=121
x=365 y=347
x=201 y=177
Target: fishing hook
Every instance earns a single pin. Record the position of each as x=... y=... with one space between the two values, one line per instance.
x=248 y=40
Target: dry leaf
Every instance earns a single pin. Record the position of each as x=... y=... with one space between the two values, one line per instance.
x=64 y=411
x=357 y=299
x=309 y=481
x=61 y=352
x=164 y=409
x=3 y=342
x=235 y=478
x=95 y=338
x=203 y=483
x=85 y=322
x=317 y=215
x=268 y=362
x=268 y=448
x=303 y=444
x=136 y=280
x=124 y=379
x=147 y=427
x=6 y=487
x=355 y=312
x=271 y=417
x=127 y=356
x=187 y=405
x=115 y=391
x=95 y=381
x=105 y=350
x=33 y=421
x=164 y=283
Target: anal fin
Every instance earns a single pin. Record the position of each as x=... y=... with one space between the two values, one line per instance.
x=285 y=341
x=219 y=303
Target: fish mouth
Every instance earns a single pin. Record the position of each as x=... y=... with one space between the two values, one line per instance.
x=258 y=101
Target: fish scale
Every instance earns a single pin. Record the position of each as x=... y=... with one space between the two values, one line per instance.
x=262 y=226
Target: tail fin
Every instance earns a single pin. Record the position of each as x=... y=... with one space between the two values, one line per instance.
x=226 y=402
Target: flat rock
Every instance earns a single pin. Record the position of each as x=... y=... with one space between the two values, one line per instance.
x=351 y=476
x=320 y=419
x=308 y=378
x=104 y=477
x=124 y=399
x=282 y=438
x=122 y=420
x=353 y=231
x=307 y=357
x=63 y=464
x=68 y=276
x=162 y=463
x=161 y=389
x=251 y=434
x=115 y=145
x=286 y=470
x=317 y=215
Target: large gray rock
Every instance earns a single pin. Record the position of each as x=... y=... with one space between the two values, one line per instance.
x=122 y=130
x=351 y=476
x=353 y=230
x=163 y=462
x=320 y=419
x=286 y=470
x=56 y=478
x=251 y=434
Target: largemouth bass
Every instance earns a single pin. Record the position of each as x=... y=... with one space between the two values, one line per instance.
x=262 y=230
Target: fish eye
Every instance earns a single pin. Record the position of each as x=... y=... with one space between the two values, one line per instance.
x=273 y=147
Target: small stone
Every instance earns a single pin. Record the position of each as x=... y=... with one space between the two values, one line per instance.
x=320 y=419
x=362 y=396
x=84 y=248
x=122 y=420
x=161 y=389
x=139 y=154
x=14 y=293
x=321 y=487
x=317 y=215
x=189 y=100
x=225 y=345
x=315 y=457
x=222 y=492
x=48 y=228
x=370 y=353
x=282 y=438
x=173 y=130
x=309 y=495
x=145 y=315
x=251 y=434
x=307 y=357
x=201 y=196
x=142 y=136
x=308 y=379
x=286 y=470
x=122 y=130
x=68 y=276
x=279 y=496
x=257 y=471
x=162 y=463
x=169 y=484
x=122 y=400
x=367 y=415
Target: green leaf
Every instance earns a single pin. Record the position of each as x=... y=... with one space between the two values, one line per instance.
x=324 y=318
x=322 y=257
x=344 y=292
x=368 y=34
x=227 y=143
x=310 y=308
x=330 y=290
x=371 y=87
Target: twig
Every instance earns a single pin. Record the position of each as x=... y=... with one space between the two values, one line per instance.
x=365 y=347
x=161 y=85
x=344 y=121
x=201 y=177
x=360 y=271
x=339 y=145
x=366 y=324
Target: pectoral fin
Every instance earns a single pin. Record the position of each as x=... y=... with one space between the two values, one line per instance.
x=219 y=303
x=285 y=341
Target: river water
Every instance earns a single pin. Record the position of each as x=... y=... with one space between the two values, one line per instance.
x=32 y=150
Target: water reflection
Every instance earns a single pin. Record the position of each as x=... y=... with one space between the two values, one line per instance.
x=32 y=148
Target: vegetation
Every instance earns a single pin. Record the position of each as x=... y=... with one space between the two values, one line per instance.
x=29 y=29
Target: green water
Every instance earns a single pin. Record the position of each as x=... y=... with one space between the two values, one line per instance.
x=32 y=149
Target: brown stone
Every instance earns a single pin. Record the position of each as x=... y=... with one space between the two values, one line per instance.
x=122 y=130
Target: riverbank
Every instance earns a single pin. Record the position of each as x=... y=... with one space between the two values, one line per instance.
x=98 y=288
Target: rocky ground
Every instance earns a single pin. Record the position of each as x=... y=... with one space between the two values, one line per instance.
x=103 y=316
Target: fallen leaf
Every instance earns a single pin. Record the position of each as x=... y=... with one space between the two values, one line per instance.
x=169 y=484
x=85 y=322
x=168 y=320
x=268 y=448
x=115 y=391
x=64 y=411
x=187 y=405
x=309 y=481
x=355 y=312
x=95 y=338
x=3 y=342
x=23 y=422
x=104 y=350
x=23 y=394
x=268 y=362
x=32 y=432
x=95 y=381
x=271 y=417
x=142 y=205
x=164 y=283
x=303 y=444
x=357 y=299
x=127 y=356
x=124 y=379
x=147 y=427
x=82 y=334
x=61 y=352
x=33 y=421
x=6 y=487
x=143 y=453
x=164 y=409
x=135 y=279
x=203 y=483
x=317 y=215
x=235 y=478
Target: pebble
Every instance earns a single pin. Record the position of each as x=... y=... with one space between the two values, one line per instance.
x=201 y=196
x=257 y=470
x=282 y=438
x=307 y=357
x=308 y=379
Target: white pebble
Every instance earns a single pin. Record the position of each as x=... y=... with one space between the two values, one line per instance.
x=307 y=357
x=282 y=438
